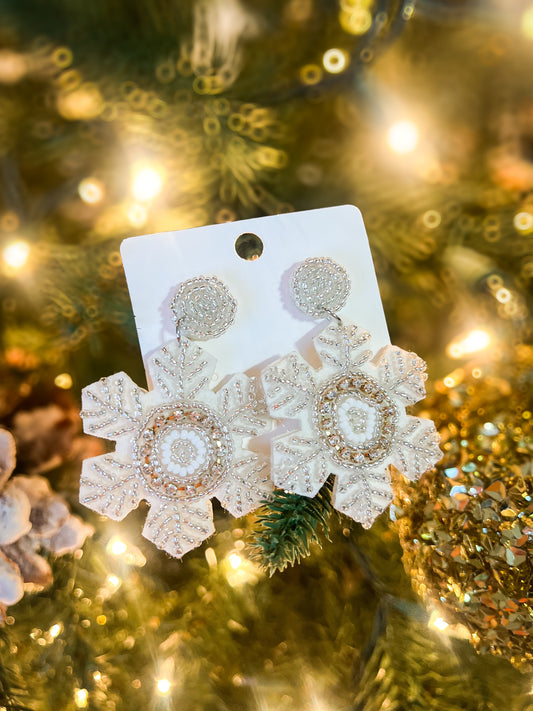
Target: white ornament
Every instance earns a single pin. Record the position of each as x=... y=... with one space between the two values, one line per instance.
x=15 y=511
x=70 y=537
x=11 y=583
x=177 y=446
x=353 y=422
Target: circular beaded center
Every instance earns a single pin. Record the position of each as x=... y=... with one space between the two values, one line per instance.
x=182 y=451
x=356 y=420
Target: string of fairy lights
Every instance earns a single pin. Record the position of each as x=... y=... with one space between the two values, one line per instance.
x=237 y=569
x=123 y=557
x=147 y=181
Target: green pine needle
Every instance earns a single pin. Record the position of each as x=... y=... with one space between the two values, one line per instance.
x=286 y=527
x=12 y=687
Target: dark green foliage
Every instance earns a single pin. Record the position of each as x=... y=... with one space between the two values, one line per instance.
x=286 y=527
x=13 y=692
x=410 y=669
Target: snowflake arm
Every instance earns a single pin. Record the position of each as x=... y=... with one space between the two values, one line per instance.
x=247 y=485
x=417 y=447
x=112 y=407
x=289 y=386
x=299 y=463
x=248 y=482
x=181 y=370
x=341 y=347
x=363 y=495
x=237 y=403
x=109 y=485
x=178 y=527
x=401 y=374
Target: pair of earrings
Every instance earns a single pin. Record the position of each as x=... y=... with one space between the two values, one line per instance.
x=180 y=444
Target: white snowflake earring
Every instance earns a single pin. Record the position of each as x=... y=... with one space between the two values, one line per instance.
x=179 y=444
x=352 y=415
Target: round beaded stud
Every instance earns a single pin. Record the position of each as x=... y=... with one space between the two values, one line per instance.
x=319 y=287
x=203 y=308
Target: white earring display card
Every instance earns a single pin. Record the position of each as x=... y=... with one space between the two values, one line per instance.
x=267 y=324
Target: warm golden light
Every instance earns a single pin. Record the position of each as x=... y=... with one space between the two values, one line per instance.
x=91 y=191
x=431 y=219
x=334 y=61
x=402 y=137
x=147 y=183
x=163 y=686
x=133 y=556
x=453 y=379
x=455 y=350
x=523 y=221
x=527 y=23
x=440 y=624
x=310 y=74
x=355 y=20
x=12 y=67
x=241 y=571
x=408 y=11
x=82 y=104
x=503 y=295
x=113 y=581
x=81 y=697
x=235 y=561
x=55 y=630
x=16 y=254
x=116 y=546
x=211 y=557
x=474 y=341
x=63 y=381
x=137 y=214
x=130 y=554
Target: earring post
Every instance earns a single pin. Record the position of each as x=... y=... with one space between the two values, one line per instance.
x=178 y=330
x=332 y=316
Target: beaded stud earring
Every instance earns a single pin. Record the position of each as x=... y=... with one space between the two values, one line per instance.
x=179 y=444
x=351 y=411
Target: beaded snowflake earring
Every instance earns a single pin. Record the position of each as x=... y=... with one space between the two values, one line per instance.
x=352 y=415
x=179 y=444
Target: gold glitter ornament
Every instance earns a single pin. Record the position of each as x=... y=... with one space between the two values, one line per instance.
x=466 y=528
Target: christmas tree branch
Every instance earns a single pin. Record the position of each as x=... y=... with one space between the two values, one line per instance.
x=412 y=667
x=286 y=527
x=11 y=685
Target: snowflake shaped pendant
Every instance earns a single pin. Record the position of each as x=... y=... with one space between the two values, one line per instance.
x=177 y=446
x=353 y=422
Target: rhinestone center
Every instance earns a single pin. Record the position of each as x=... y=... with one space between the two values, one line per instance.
x=355 y=419
x=182 y=451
